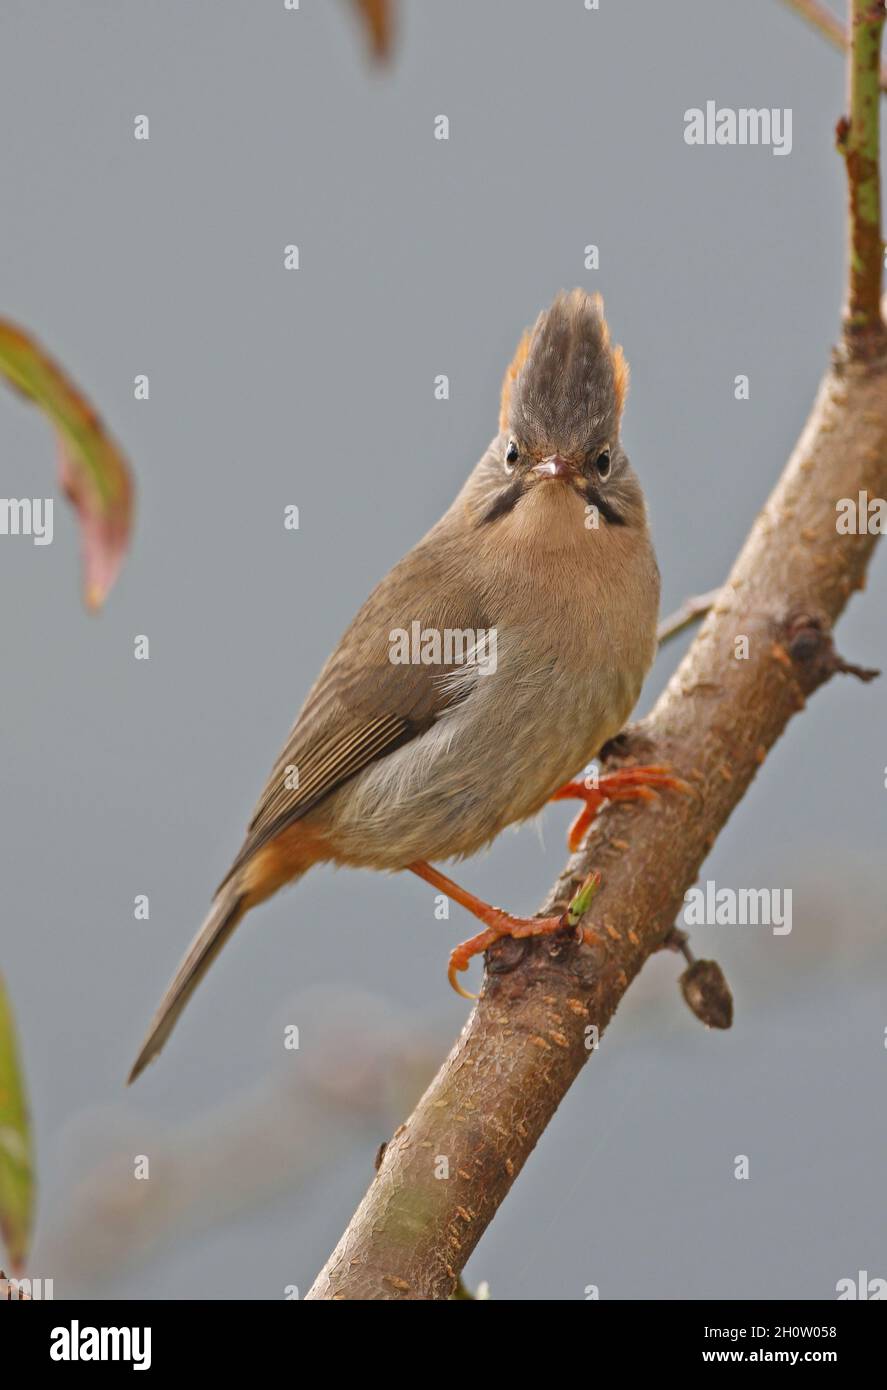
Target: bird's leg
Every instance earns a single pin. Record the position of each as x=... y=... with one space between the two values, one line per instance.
x=629 y=784
x=498 y=923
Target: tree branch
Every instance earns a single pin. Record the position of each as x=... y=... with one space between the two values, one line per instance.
x=859 y=141
x=546 y=1002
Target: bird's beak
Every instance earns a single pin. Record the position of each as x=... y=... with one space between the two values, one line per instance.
x=554 y=467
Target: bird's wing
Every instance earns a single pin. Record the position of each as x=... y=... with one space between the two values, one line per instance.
x=364 y=705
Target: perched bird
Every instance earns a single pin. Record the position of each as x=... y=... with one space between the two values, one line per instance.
x=542 y=576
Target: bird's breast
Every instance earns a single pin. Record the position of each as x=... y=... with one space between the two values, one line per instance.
x=572 y=644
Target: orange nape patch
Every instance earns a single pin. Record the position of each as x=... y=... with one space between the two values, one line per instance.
x=508 y=381
x=621 y=371
x=621 y=376
x=289 y=855
x=597 y=302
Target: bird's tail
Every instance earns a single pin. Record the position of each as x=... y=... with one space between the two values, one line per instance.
x=224 y=915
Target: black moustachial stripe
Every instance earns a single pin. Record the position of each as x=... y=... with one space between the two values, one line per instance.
x=504 y=501
x=607 y=511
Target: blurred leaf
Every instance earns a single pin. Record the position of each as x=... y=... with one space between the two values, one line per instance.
x=93 y=471
x=378 y=16
x=16 y=1167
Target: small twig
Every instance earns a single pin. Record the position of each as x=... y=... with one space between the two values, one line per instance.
x=829 y=26
x=690 y=612
x=678 y=940
x=805 y=644
x=858 y=138
x=849 y=668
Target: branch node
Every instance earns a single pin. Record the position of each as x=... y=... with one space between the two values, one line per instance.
x=811 y=650
x=678 y=940
x=506 y=955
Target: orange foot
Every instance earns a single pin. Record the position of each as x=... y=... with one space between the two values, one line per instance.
x=498 y=923
x=629 y=784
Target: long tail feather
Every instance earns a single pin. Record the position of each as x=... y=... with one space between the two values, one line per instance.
x=224 y=915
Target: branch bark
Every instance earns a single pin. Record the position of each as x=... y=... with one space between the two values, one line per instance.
x=546 y=1002
x=859 y=140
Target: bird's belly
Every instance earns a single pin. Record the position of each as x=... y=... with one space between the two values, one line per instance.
x=491 y=761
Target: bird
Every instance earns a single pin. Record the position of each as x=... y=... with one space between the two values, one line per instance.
x=487 y=669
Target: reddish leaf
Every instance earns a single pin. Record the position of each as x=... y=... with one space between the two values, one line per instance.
x=93 y=472
x=378 y=16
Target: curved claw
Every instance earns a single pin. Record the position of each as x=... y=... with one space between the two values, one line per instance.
x=453 y=967
x=464 y=952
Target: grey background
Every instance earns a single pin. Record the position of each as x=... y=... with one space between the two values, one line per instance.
x=316 y=388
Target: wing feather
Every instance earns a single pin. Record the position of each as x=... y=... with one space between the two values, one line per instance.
x=363 y=705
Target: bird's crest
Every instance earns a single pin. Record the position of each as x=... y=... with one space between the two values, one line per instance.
x=565 y=379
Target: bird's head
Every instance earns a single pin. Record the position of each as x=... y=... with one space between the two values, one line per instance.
x=562 y=401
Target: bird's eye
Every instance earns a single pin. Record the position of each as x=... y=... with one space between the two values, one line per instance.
x=511 y=453
x=602 y=463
